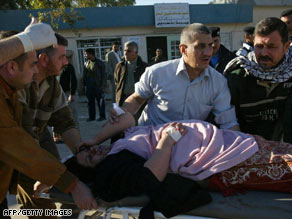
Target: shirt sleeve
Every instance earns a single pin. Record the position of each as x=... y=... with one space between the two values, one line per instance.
x=144 y=88
x=223 y=111
x=21 y=152
x=62 y=118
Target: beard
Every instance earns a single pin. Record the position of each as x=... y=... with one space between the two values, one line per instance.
x=52 y=69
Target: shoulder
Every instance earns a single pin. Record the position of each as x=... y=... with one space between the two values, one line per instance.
x=160 y=67
x=214 y=74
x=226 y=51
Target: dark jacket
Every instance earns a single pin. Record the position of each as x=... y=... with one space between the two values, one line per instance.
x=120 y=75
x=225 y=56
x=99 y=73
x=68 y=79
x=158 y=59
x=123 y=174
x=261 y=110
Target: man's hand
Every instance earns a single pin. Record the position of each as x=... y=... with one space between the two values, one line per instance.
x=86 y=142
x=37 y=36
x=113 y=116
x=39 y=187
x=173 y=132
x=83 y=197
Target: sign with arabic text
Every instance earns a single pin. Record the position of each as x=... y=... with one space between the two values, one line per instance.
x=172 y=15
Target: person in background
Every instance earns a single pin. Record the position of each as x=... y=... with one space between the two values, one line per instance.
x=112 y=58
x=221 y=55
x=159 y=57
x=247 y=46
x=128 y=72
x=94 y=79
x=286 y=16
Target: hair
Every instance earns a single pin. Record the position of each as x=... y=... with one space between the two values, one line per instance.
x=188 y=33
x=271 y=24
x=132 y=44
x=286 y=13
x=85 y=174
x=19 y=59
x=90 y=51
x=115 y=43
x=50 y=50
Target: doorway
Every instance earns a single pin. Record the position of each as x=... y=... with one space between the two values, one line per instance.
x=156 y=42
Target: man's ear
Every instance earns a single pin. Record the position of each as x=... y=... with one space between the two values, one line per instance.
x=12 y=68
x=183 y=49
x=43 y=60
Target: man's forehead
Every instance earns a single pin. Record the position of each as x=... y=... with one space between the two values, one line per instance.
x=272 y=37
x=202 y=38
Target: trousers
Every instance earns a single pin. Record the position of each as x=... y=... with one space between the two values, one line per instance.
x=95 y=93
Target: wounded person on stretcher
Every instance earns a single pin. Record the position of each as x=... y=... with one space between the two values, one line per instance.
x=165 y=163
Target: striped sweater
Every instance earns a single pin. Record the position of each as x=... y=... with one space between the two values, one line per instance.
x=43 y=105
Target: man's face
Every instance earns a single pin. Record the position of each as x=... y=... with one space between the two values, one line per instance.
x=130 y=53
x=158 y=52
x=269 y=50
x=91 y=156
x=89 y=56
x=23 y=77
x=216 y=44
x=288 y=21
x=249 y=38
x=115 y=48
x=197 y=55
x=57 y=61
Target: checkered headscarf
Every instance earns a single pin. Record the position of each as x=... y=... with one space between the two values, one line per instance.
x=281 y=73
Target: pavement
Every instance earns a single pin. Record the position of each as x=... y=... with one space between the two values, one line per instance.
x=87 y=130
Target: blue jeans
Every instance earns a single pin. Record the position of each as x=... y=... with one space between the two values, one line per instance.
x=95 y=93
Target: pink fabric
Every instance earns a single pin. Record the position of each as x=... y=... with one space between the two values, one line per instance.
x=202 y=152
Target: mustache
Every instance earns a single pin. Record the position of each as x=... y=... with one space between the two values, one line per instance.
x=265 y=58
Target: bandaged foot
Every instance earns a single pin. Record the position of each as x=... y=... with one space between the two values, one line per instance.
x=174 y=133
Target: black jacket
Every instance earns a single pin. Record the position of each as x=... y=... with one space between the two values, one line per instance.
x=123 y=174
x=225 y=56
x=68 y=79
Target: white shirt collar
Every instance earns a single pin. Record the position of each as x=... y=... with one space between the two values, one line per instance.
x=182 y=68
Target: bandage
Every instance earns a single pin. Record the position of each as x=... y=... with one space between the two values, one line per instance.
x=26 y=42
x=174 y=133
x=118 y=109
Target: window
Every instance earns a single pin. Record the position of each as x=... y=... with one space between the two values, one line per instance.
x=226 y=40
x=101 y=46
x=174 y=48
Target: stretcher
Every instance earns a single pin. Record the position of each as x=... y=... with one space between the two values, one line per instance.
x=252 y=205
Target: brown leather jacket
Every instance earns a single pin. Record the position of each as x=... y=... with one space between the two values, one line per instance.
x=20 y=152
x=119 y=77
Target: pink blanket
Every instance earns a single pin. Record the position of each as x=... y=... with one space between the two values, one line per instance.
x=202 y=152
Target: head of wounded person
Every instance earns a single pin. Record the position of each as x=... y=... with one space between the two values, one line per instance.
x=90 y=156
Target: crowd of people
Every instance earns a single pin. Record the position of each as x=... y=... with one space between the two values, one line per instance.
x=200 y=117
